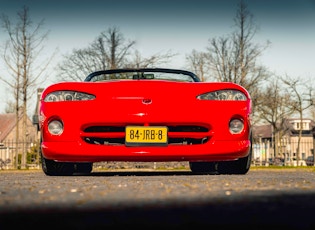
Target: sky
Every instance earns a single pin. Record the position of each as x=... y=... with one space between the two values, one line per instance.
x=179 y=26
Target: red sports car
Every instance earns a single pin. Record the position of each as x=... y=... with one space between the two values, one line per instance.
x=145 y=115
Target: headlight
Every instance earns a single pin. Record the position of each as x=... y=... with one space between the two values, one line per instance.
x=68 y=96
x=236 y=126
x=224 y=95
x=55 y=127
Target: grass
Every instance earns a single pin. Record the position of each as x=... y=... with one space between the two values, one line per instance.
x=273 y=167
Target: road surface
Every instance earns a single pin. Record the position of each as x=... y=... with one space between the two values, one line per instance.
x=144 y=199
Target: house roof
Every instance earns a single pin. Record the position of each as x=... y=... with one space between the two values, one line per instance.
x=262 y=131
x=265 y=131
x=7 y=123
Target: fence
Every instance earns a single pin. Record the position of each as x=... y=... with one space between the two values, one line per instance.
x=263 y=153
x=18 y=155
x=22 y=155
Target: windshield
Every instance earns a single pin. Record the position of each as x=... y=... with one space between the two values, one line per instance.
x=142 y=74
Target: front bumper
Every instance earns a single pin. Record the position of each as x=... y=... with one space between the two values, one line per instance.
x=83 y=152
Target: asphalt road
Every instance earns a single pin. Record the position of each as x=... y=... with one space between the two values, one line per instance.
x=144 y=199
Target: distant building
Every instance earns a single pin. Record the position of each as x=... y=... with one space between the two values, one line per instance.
x=35 y=117
x=9 y=146
x=8 y=128
x=265 y=140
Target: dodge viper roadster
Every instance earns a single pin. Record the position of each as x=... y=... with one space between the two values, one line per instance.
x=145 y=115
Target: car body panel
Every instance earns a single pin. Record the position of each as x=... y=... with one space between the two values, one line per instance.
x=94 y=130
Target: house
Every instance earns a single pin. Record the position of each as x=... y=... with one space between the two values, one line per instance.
x=8 y=145
x=8 y=128
x=35 y=118
x=270 y=145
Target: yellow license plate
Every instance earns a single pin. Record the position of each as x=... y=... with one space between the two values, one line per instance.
x=139 y=135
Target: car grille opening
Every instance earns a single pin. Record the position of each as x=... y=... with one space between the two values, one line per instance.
x=115 y=135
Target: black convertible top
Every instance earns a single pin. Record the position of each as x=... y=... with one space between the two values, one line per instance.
x=165 y=70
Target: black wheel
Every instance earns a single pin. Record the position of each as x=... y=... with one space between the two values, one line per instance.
x=84 y=168
x=202 y=167
x=234 y=167
x=53 y=168
x=240 y=166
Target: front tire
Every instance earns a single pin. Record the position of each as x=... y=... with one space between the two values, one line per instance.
x=202 y=167
x=53 y=168
x=83 y=168
x=240 y=166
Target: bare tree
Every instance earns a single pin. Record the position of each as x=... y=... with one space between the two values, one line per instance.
x=77 y=65
x=302 y=99
x=109 y=51
x=117 y=50
x=274 y=108
x=137 y=61
x=25 y=43
x=197 y=61
x=235 y=58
